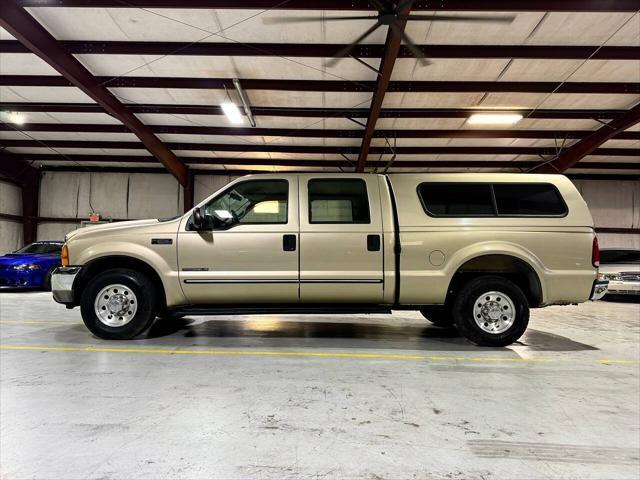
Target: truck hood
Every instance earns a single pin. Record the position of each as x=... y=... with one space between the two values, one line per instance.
x=98 y=230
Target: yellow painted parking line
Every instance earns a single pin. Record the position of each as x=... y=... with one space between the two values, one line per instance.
x=166 y=351
x=36 y=322
x=631 y=362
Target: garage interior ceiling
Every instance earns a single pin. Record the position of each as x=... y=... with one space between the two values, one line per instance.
x=569 y=68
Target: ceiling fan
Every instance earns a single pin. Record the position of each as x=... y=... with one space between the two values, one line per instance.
x=390 y=14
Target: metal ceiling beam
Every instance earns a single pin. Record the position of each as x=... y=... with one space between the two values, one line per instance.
x=17 y=21
x=315 y=112
x=320 y=149
x=392 y=45
x=94 y=47
x=244 y=171
x=190 y=130
x=287 y=162
x=330 y=85
x=572 y=155
x=449 y=5
x=318 y=132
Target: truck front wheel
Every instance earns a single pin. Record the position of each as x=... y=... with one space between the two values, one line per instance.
x=491 y=311
x=118 y=304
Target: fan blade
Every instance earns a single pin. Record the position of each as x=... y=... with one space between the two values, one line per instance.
x=301 y=19
x=345 y=51
x=410 y=45
x=377 y=4
x=459 y=18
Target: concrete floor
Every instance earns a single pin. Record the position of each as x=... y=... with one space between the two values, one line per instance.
x=367 y=397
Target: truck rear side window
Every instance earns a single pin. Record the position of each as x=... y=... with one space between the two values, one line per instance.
x=456 y=199
x=338 y=201
x=491 y=200
x=536 y=199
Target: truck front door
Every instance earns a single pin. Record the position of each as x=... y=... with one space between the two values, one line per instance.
x=248 y=252
x=341 y=245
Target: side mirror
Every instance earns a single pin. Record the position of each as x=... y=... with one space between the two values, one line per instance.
x=196 y=219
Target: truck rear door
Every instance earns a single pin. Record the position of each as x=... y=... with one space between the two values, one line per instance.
x=341 y=244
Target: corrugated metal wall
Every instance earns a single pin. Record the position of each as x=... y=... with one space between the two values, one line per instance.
x=205 y=185
x=11 y=204
x=614 y=204
x=116 y=195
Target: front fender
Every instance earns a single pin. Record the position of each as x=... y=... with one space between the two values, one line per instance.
x=162 y=261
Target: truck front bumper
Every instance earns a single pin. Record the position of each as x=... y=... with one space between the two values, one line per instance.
x=62 y=284
x=599 y=289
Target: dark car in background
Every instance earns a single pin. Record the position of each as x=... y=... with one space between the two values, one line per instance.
x=621 y=267
x=31 y=266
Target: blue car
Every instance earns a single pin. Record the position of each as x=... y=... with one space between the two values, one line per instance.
x=31 y=266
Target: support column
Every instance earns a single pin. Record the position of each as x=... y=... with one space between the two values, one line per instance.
x=188 y=191
x=30 y=204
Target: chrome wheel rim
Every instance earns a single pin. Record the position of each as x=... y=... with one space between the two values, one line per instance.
x=116 y=305
x=494 y=312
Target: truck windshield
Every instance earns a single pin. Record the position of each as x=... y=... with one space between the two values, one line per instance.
x=609 y=257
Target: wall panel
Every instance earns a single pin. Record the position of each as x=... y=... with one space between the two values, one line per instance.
x=55 y=231
x=114 y=195
x=618 y=240
x=10 y=198
x=60 y=194
x=10 y=236
x=613 y=204
x=205 y=185
x=10 y=203
x=154 y=196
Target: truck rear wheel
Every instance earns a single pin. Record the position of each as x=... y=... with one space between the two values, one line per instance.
x=439 y=315
x=118 y=304
x=491 y=311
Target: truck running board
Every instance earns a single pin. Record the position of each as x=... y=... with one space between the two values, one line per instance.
x=279 y=309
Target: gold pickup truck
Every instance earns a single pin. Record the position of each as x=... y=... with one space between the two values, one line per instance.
x=474 y=250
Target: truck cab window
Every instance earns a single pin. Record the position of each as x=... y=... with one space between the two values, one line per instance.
x=250 y=202
x=338 y=201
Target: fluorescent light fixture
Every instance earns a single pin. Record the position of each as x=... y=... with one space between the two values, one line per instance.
x=245 y=101
x=15 y=117
x=232 y=112
x=494 y=118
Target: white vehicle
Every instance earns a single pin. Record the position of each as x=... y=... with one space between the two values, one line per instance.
x=621 y=267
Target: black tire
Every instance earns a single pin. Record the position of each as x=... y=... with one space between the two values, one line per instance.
x=439 y=315
x=145 y=294
x=465 y=301
x=46 y=284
